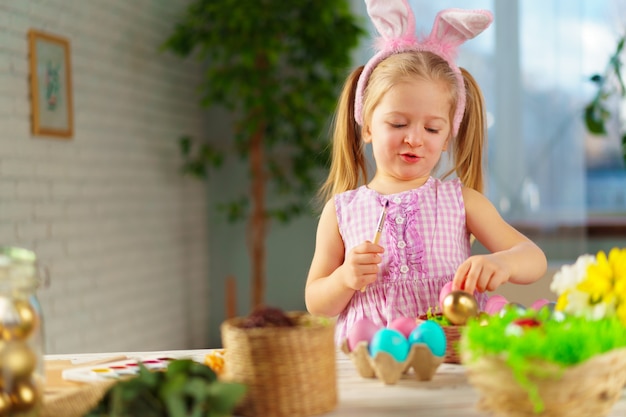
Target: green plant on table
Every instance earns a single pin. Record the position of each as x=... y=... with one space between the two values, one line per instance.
x=185 y=389
x=277 y=66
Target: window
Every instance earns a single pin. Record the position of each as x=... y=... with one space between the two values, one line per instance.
x=560 y=185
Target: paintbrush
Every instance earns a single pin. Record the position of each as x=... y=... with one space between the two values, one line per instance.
x=381 y=223
x=379 y=228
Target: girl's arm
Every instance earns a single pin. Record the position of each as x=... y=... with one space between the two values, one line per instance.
x=332 y=279
x=513 y=258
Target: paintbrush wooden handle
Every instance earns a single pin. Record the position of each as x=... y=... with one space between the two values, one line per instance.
x=379 y=230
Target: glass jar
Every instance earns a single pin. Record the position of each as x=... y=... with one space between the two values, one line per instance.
x=21 y=334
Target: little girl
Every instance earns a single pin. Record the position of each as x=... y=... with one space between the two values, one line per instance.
x=411 y=103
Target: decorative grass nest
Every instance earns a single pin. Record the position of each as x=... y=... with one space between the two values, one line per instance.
x=570 y=362
x=529 y=364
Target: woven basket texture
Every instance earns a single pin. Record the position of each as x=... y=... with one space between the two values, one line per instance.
x=453 y=338
x=289 y=371
x=75 y=402
x=589 y=389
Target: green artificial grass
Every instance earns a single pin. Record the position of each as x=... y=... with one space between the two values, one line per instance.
x=559 y=339
x=439 y=318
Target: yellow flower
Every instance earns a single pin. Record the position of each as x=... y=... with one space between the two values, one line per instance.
x=599 y=281
x=620 y=289
x=595 y=286
x=617 y=259
x=561 y=302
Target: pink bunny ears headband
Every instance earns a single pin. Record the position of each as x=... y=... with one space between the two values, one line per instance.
x=396 y=25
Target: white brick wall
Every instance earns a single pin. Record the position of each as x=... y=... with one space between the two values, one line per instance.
x=123 y=234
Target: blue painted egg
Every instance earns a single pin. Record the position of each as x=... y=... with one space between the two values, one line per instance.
x=431 y=334
x=390 y=341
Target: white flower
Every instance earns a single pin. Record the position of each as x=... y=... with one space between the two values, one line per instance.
x=578 y=304
x=569 y=276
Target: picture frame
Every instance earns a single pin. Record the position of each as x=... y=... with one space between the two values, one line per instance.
x=51 y=85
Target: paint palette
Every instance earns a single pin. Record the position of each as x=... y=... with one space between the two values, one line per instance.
x=117 y=369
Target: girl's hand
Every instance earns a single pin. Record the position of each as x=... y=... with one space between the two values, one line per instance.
x=361 y=265
x=480 y=272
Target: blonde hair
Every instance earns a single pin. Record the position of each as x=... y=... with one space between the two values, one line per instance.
x=348 y=167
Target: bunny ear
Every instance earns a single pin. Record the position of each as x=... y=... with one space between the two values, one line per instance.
x=395 y=23
x=454 y=26
x=392 y=18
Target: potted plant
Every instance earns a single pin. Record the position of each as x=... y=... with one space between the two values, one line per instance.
x=609 y=84
x=277 y=67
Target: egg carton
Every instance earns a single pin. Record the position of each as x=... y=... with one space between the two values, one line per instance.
x=386 y=368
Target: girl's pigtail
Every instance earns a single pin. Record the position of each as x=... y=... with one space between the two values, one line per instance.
x=470 y=141
x=348 y=165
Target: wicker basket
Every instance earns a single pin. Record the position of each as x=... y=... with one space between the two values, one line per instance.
x=589 y=389
x=453 y=337
x=289 y=371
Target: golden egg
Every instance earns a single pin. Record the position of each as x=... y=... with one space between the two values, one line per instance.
x=24 y=396
x=17 y=360
x=459 y=306
x=8 y=317
x=18 y=319
x=5 y=404
x=28 y=319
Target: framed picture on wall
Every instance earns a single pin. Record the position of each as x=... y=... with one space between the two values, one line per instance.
x=51 y=85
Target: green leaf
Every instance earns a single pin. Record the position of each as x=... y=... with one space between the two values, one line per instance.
x=596 y=78
x=235 y=210
x=185 y=145
x=224 y=396
x=594 y=119
x=180 y=366
x=620 y=45
x=172 y=394
x=183 y=390
x=203 y=371
x=148 y=378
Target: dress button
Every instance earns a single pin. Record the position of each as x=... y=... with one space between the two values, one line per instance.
x=397 y=200
x=404 y=269
x=399 y=220
x=402 y=244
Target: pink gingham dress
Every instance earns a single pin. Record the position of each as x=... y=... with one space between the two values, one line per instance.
x=425 y=239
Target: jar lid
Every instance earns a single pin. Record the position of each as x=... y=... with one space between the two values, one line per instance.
x=13 y=255
x=18 y=269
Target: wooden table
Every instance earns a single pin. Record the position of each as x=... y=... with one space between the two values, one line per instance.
x=448 y=394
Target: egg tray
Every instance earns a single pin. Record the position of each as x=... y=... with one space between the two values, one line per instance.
x=384 y=367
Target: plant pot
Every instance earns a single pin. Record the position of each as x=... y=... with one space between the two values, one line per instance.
x=289 y=371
